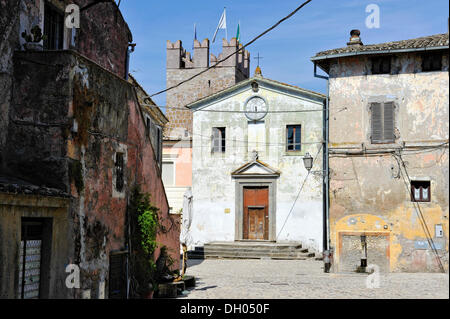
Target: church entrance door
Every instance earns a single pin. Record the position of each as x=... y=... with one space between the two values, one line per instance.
x=256 y=213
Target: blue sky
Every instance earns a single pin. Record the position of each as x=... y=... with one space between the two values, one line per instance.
x=286 y=51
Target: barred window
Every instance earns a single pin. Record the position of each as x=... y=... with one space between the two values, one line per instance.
x=382 y=122
x=53 y=28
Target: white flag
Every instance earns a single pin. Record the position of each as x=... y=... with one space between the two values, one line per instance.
x=222 y=24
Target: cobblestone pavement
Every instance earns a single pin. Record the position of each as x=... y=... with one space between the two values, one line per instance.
x=297 y=279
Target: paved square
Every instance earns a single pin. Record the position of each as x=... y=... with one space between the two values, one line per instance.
x=298 y=279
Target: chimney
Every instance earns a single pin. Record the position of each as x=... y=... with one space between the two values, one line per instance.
x=355 y=38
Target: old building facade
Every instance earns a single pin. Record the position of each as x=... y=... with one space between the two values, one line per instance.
x=74 y=144
x=181 y=65
x=388 y=146
x=249 y=142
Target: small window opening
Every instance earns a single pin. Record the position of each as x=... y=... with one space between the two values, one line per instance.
x=420 y=191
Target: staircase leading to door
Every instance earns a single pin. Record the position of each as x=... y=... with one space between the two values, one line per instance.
x=252 y=250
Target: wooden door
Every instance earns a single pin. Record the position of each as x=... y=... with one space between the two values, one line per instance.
x=256 y=213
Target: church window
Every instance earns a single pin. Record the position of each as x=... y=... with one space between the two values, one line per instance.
x=293 y=138
x=218 y=140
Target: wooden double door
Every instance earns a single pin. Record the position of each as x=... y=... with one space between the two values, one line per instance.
x=256 y=213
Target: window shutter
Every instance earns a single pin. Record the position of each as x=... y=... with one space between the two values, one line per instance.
x=388 y=127
x=377 y=123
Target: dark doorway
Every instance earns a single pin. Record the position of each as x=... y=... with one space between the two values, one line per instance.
x=118 y=275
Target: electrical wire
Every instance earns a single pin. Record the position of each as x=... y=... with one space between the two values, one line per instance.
x=398 y=157
x=248 y=142
x=240 y=49
x=229 y=111
x=299 y=192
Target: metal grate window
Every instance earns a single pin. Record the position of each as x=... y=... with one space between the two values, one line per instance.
x=30 y=260
x=119 y=172
x=293 y=138
x=383 y=122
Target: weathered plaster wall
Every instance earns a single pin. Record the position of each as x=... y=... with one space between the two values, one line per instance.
x=69 y=139
x=103 y=37
x=214 y=188
x=372 y=188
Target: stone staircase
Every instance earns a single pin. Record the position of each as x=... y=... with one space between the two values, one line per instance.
x=252 y=250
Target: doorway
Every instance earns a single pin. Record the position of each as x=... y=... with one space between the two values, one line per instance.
x=34 y=258
x=256 y=213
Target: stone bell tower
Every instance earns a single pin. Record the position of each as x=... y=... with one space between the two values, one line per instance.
x=181 y=66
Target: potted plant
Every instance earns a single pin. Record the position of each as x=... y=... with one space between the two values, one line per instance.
x=33 y=40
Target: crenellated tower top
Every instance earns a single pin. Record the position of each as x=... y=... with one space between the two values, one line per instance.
x=179 y=58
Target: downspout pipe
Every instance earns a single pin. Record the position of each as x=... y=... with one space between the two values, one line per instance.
x=326 y=186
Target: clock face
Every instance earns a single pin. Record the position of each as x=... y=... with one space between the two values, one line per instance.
x=256 y=108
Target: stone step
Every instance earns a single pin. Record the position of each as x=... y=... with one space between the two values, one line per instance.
x=258 y=251
x=255 y=257
x=250 y=253
x=251 y=250
x=254 y=245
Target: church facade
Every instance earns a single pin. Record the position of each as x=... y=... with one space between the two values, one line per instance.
x=249 y=181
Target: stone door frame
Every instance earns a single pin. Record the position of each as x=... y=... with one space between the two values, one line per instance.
x=242 y=182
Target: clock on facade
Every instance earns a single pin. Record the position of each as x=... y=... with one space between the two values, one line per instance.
x=256 y=108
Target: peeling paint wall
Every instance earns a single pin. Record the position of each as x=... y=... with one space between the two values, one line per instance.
x=80 y=158
x=373 y=191
x=214 y=189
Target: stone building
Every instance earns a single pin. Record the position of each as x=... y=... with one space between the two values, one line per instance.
x=74 y=143
x=388 y=139
x=177 y=150
x=248 y=166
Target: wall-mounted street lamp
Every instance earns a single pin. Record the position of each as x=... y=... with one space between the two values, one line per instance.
x=308 y=161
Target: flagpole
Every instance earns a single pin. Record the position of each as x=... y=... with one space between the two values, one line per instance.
x=226 y=26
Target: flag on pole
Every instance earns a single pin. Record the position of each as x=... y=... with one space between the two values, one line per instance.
x=222 y=24
x=238 y=33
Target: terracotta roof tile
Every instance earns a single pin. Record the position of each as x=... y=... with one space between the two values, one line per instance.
x=437 y=40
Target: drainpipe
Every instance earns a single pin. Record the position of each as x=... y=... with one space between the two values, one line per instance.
x=327 y=254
